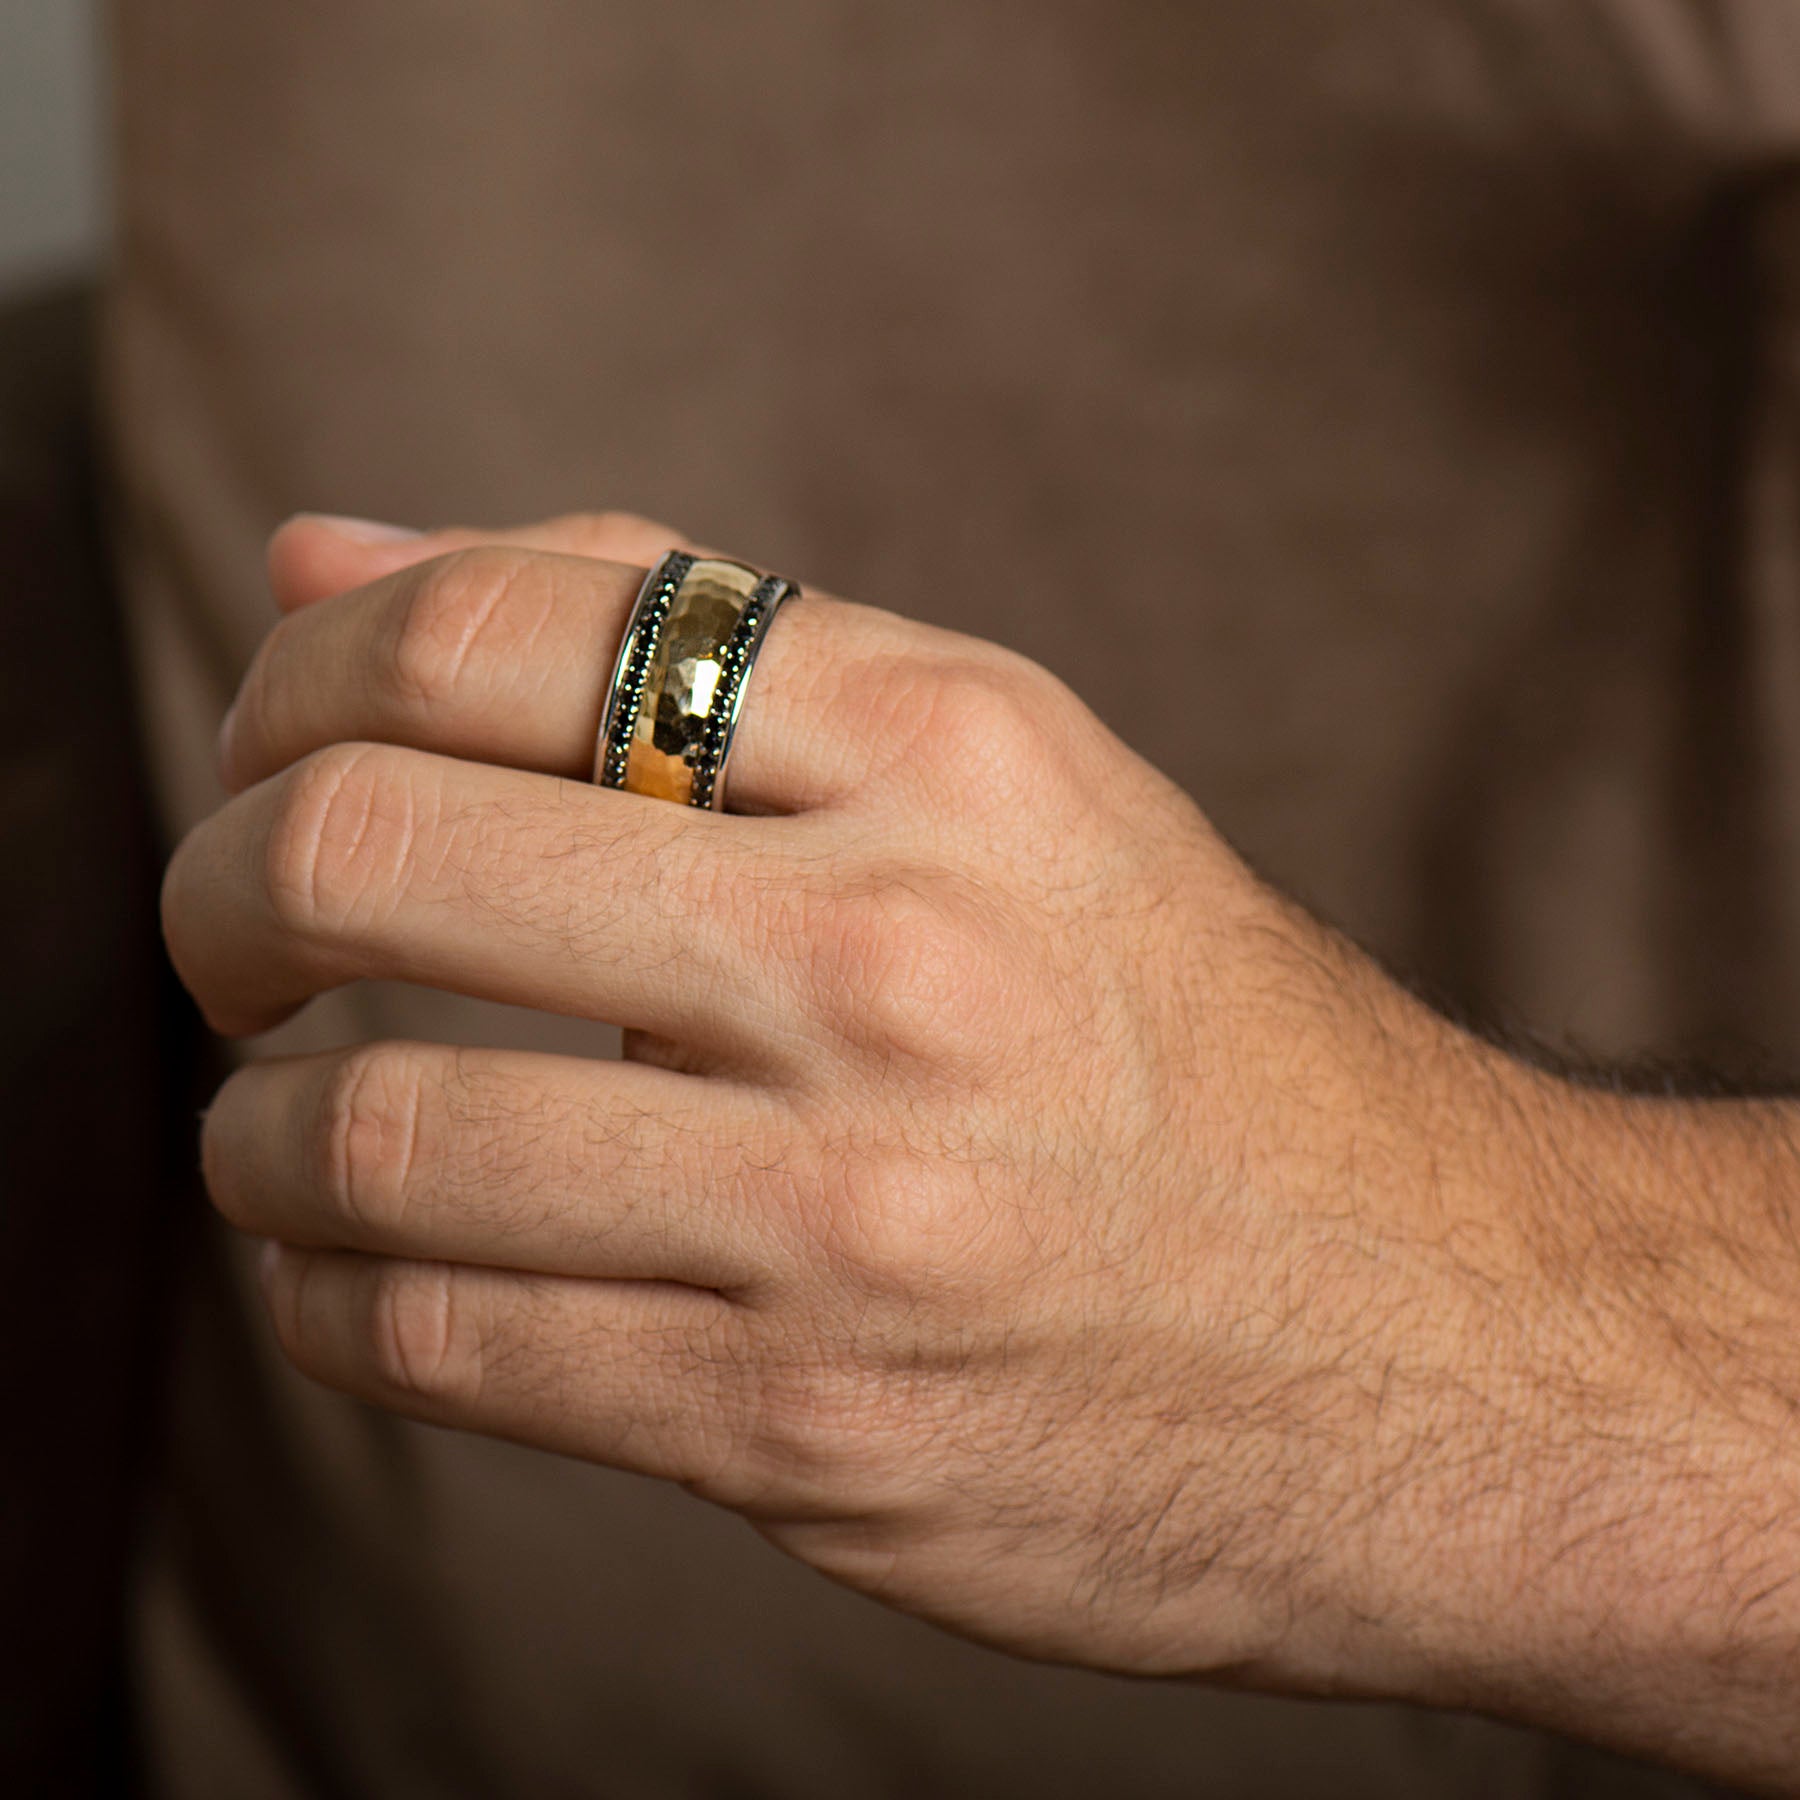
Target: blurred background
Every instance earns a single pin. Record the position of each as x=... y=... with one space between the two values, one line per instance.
x=53 y=212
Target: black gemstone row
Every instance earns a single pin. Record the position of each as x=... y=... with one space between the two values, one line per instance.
x=734 y=665
x=630 y=696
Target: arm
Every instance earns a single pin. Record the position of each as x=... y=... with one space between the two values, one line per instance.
x=1572 y=1383
x=1630 y=1506
x=1007 y=1203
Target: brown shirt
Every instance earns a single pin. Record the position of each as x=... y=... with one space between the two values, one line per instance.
x=1382 y=415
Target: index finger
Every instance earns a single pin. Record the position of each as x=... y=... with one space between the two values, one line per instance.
x=313 y=556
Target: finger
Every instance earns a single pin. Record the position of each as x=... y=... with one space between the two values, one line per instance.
x=314 y=555
x=370 y=861
x=544 y=1164
x=504 y=656
x=635 y=1374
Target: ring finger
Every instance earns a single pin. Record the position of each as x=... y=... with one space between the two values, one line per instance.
x=502 y=655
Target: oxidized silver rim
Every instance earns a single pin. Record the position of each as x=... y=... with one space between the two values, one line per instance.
x=735 y=662
x=632 y=669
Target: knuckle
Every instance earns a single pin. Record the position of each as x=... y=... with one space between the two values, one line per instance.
x=418 y=1345
x=345 y=821
x=615 y=525
x=368 y=1136
x=888 y=1225
x=627 y=537
x=461 y=615
x=985 y=725
x=816 y=1422
x=910 y=970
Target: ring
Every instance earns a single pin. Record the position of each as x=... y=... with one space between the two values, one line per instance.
x=678 y=685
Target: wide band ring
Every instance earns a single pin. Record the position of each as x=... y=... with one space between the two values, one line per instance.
x=678 y=685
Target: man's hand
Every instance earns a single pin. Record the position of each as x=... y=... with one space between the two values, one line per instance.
x=1006 y=1203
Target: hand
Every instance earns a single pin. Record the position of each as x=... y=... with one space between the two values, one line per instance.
x=1006 y=1203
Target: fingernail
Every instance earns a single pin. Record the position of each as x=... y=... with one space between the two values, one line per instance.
x=227 y=726
x=266 y=1262
x=363 y=531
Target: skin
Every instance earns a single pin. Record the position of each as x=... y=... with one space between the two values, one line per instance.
x=1007 y=1203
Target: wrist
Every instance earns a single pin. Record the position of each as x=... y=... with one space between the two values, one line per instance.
x=1618 y=1496
x=1389 y=1156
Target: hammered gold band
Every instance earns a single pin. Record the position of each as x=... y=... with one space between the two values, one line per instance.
x=679 y=680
